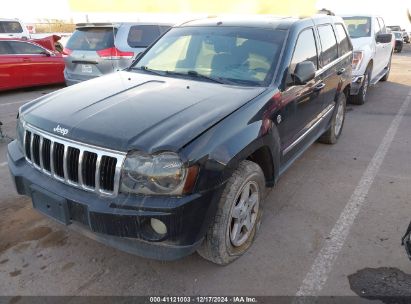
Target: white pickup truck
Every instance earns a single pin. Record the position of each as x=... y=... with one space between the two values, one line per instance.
x=373 y=50
x=13 y=28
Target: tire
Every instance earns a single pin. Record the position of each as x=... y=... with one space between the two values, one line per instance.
x=337 y=122
x=385 y=78
x=360 y=98
x=220 y=245
x=399 y=49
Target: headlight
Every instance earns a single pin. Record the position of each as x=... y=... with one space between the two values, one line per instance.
x=357 y=59
x=158 y=174
x=20 y=129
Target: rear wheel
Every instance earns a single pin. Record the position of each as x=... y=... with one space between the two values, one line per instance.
x=333 y=133
x=238 y=216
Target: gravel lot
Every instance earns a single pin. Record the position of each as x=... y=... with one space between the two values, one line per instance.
x=305 y=245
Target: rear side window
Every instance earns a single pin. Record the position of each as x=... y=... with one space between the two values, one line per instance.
x=328 y=44
x=92 y=39
x=13 y=27
x=5 y=48
x=25 y=48
x=142 y=35
x=344 y=44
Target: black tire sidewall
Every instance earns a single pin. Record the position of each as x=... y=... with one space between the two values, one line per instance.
x=341 y=98
x=217 y=246
x=238 y=251
x=361 y=97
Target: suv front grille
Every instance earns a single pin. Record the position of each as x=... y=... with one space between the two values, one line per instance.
x=80 y=165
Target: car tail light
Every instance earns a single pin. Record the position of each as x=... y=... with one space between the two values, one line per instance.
x=356 y=59
x=67 y=51
x=114 y=53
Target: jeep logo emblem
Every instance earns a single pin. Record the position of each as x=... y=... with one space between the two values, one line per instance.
x=60 y=130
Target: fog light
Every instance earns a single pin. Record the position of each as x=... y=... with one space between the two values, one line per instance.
x=158 y=226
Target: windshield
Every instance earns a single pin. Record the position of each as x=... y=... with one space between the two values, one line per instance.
x=10 y=27
x=92 y=39
x=398 y=35
x=239 y=55
x=358 y=26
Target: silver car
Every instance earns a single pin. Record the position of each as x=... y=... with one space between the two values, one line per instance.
x=101 y=48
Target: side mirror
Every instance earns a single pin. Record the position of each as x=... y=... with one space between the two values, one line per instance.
x=44 y=53
x=384 y=38
x=304 y=72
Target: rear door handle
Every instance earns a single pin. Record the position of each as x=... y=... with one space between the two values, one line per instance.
x=319 y=86
x=341 y=71
x=26 y=60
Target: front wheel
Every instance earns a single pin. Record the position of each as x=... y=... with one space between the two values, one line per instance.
x=360 y=98
x=333 y=133
x=238 y=216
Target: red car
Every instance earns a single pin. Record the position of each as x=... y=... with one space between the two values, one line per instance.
x=26 y=63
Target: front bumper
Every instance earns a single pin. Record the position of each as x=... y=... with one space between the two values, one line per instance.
x=123 y=222
x=356 y=84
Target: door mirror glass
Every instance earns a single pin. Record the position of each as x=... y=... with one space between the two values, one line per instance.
x=384 y=38
x=304 y=72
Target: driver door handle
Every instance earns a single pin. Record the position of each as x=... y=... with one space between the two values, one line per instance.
x=319 y=86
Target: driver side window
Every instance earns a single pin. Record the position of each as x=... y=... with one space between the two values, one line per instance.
x=305 y=50
x=24 y=48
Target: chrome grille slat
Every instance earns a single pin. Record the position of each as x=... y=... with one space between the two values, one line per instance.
x=79 y=165
x=97 y=175
x=65 y=170
x=31 y=145
x=51 y=158
x=41 y=152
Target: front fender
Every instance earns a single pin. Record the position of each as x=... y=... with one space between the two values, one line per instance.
x=368 y=56
x=219 y=150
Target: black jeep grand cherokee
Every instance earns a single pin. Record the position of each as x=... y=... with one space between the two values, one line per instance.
x=173 y=154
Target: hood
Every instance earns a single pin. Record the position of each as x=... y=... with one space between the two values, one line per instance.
x=359 y=44
x=133 y=110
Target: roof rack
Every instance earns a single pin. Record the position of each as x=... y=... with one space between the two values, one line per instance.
x=325 y=11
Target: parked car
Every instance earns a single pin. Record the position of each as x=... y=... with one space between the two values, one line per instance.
x=397 y=28
x=399 y=41
x=26 y=64
x=101 y=48
x=373 y=50
x=13 y=28
x=174 y=154
x=406 y=37
x=394 y=28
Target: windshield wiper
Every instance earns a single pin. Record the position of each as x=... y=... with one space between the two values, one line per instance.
x=195 y=74
x=144 y=68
